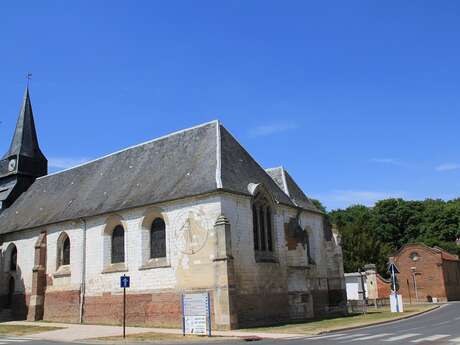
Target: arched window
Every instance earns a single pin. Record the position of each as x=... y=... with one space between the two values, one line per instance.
x=158 y=239
x=118 y=245
x=262 y=224
x=307 y=246
x=66 y=251
x=63 y=250
x=268 y=213
x=13 y=258
x=255 y=226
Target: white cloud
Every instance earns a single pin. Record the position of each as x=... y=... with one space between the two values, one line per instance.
x=345 y=198
x=269 y=129
x=59 y=163
x=448 y=167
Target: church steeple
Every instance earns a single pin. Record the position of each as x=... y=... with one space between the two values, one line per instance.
x=25 y=140
x=24 y=161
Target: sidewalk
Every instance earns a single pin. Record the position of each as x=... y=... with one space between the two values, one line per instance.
x=76 y=332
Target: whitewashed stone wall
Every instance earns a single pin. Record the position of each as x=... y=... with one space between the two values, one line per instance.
x=98 y=249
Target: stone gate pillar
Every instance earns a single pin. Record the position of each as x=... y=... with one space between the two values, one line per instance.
x=225 y=309
x=37 y=296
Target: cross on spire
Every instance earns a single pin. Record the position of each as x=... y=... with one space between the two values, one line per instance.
x=28 y=77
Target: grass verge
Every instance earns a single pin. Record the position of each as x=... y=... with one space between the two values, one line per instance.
x=373 y=316
x=24 y=330
x=157 y=337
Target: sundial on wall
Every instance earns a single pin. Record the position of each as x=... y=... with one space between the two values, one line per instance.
x=191 y=231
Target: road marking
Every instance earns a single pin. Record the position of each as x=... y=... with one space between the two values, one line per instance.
x=432 y=338
x=441 y=323
x=326 y=336
x=375 y=336
x=403 y=336
x=353 y=336
x=456 y=340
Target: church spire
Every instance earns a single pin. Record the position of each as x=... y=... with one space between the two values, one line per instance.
x=25 y=142
x=24 y=161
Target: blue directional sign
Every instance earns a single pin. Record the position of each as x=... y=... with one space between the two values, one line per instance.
x=124 y=281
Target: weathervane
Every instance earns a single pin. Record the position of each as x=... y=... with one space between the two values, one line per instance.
x=29 y=76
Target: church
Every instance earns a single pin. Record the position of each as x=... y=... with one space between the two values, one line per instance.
x=191 y=211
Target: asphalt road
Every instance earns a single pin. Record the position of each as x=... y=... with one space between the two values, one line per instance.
x=438 y=327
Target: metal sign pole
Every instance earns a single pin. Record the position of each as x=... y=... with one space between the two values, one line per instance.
x=363 y=288
x=124 y=312
x=415 y=285
x=183 y=314
x=209 y=315
x=124 y=283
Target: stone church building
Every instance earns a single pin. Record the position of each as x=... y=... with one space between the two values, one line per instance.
x=190 y=211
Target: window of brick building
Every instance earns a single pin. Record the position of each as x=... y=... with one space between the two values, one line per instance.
x=158 y=239
x=414 y=256
x=118 y=245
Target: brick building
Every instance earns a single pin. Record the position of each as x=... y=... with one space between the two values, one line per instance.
x=427 y=273
x=190 y=211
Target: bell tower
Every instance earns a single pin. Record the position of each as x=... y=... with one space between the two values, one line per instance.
x=24 y=161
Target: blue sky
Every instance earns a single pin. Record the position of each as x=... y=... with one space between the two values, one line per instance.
x=359 y=100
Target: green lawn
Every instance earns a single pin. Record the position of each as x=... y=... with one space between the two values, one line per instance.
x=331 y=324
x=24 y=330
x=157 y=337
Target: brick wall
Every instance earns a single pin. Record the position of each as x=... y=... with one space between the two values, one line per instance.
x=452 y=279
x=429 y=273
x=383 y=287
x=158 y=309
x=62 y=306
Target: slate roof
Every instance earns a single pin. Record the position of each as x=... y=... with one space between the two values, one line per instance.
x=291 y=189
x=25 y=140
x=191 y=162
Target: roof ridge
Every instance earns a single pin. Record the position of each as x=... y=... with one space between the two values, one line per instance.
x=274 y=168
x=286 y=189
x=133 y=147
x=259 y=166
x=218 y=157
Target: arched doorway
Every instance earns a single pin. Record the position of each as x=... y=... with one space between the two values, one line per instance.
x=11 y=286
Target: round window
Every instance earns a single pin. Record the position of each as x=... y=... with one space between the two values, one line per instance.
x=414 y=256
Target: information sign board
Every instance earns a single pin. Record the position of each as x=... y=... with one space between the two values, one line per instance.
x=196 y=313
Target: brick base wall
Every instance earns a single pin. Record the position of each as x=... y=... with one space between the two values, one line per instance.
x=255 y=309
x=63 y=306
x=320 y=302
x=161 y=309
x=19 y=305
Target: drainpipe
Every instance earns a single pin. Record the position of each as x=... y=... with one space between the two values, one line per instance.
x=83 y=270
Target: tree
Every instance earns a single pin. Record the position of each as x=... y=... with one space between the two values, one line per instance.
x=359 y=243
x=371 y=234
